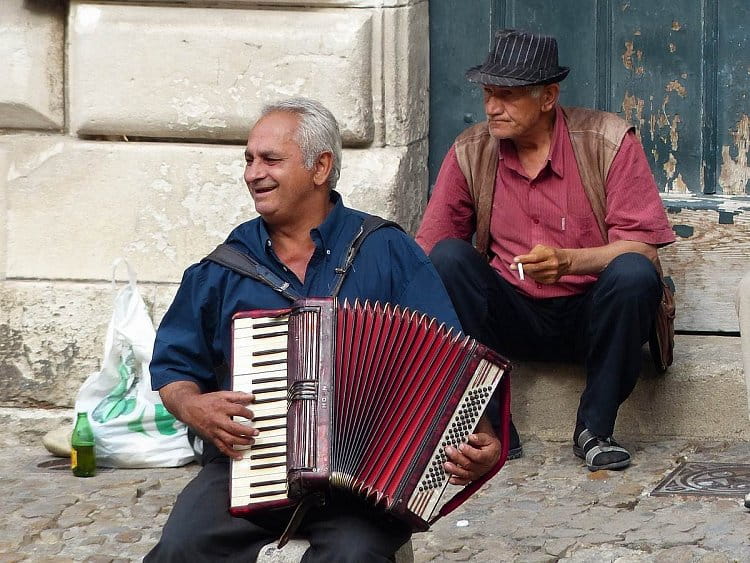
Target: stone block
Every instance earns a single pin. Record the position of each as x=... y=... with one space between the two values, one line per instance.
x=52 y=337
x=406 y=77
x=197 y=73
x=702 y=395
x=4 y=164
x=31 y=64
x=75 y=206
x=390 y=182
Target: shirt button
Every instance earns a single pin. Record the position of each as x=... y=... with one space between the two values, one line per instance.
x=536 y=221
x=268 y=242
x=328 y=251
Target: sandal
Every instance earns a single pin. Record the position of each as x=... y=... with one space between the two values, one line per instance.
x=600 y=453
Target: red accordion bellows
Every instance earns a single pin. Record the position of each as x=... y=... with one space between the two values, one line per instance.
x=375 y=394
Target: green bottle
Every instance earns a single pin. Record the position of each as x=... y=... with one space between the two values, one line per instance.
x=82 y=457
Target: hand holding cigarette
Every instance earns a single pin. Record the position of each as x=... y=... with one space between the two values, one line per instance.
x=544 y=264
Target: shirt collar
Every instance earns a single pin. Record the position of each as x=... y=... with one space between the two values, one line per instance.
x=326 y=231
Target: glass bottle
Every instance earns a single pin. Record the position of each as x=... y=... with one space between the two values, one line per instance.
x=82 y=457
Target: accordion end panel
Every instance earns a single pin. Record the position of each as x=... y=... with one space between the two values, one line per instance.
x=426 y=497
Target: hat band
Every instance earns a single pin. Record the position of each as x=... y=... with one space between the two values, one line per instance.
x=522 y=73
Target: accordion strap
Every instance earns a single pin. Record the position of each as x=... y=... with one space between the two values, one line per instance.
x=306 y=503
x=245 y=265
x=370 y=224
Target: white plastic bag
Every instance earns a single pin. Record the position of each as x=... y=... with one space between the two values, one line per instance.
x=132 y=428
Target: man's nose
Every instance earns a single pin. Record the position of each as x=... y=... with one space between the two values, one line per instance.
x=253 y=171
x=493 y=105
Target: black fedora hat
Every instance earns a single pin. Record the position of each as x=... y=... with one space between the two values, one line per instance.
x=519 y=58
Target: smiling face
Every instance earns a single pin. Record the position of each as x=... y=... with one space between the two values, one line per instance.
x=519 y=112
x=283 y=189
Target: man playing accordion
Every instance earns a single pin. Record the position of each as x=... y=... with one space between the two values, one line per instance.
x=293 y=158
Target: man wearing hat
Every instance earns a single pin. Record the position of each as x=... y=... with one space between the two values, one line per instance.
x=547 y=280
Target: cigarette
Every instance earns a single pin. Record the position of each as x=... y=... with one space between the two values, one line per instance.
x=520 y=271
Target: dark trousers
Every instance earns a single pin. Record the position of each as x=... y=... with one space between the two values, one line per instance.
x=200 y=528
x=605 y=327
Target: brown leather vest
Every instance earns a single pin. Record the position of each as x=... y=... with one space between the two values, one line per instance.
x=596 y=137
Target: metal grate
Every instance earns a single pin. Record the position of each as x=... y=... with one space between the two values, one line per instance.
x=706 y=479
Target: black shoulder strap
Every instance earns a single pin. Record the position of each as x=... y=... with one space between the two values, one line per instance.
x=370 y=224
x=245 y=265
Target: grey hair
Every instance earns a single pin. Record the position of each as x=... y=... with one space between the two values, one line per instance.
x=317 y=132
x=536 y=90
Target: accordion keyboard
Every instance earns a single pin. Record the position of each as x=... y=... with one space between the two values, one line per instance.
x=259 y=360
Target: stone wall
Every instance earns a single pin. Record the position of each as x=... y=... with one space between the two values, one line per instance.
x=122 y=131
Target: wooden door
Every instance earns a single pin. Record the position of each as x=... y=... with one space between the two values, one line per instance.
x=679 y=71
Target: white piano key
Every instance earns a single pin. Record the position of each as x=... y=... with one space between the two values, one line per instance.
x=271 y=435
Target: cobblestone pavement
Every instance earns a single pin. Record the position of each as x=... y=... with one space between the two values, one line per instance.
x=543 y=507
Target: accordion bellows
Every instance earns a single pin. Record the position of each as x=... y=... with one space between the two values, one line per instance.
x=358 y=397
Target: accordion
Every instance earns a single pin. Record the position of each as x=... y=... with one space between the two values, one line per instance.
x=362 y=398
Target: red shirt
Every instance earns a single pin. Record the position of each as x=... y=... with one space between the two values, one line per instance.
x=551 y=209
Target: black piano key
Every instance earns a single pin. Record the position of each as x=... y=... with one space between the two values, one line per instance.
x=267 y=428
x=269 y=351
x=257 y=447
x=268 y=493
x=271 y=324
x=264 y=456
x=268 y=465
x=266 y=483
x=259 y=380
x=270 y=335
x=269 y=363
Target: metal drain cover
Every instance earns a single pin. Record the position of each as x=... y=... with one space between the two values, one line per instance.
x=706 y=479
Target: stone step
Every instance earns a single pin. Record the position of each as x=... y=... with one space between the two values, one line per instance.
x=702 y=395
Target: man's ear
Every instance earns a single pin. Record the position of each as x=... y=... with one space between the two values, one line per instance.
x=550 y=94
x=322 y=168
